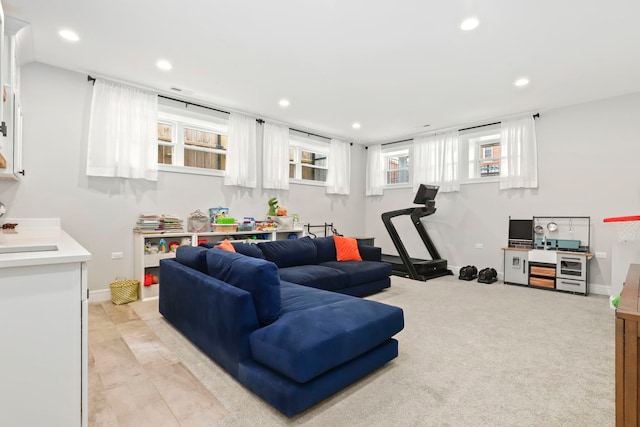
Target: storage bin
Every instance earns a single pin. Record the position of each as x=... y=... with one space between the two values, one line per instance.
x=124 y=291
x=225 y=228
x=539 y=281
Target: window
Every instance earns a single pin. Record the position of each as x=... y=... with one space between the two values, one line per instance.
x=308 y=160
x=189 y=141
x=483 y=148
x=490 y=159
x=396 y=166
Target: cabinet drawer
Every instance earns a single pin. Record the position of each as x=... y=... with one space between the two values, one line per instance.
x=572 y=285
x=539 y=281
x=543 y=271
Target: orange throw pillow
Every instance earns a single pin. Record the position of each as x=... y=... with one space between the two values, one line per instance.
x=346 y=249
x=226 y=245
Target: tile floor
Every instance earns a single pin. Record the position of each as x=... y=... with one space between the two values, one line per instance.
x=134 y=379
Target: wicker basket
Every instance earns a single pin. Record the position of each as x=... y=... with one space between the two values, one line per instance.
x=124 y=290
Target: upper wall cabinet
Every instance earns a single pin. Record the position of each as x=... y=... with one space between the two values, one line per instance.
x=13 y=33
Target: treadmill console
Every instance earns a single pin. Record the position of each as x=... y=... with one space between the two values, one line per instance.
x=426 y=195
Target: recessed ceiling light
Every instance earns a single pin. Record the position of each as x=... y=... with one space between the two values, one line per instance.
x=69 y=35
x=469 y=24
x=284 y=102
x=356 y=125
x=523 y=81
x=164 y=65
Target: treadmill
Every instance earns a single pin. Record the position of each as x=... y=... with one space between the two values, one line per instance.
x=403 y=265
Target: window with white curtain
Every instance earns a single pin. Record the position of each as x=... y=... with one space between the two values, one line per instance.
x=308 y=160
x=396 y=159
x=275 y=156
x=480 y=151
x=118 y=145
x=519 y=155
x=436 y=160
x=339 y=164
x=191 y=140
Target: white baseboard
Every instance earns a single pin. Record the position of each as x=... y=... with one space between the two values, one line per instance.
x=100 y=295
x=598 y=289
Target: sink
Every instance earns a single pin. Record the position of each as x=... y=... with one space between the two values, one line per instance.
x=540 y=255
x=4 y=249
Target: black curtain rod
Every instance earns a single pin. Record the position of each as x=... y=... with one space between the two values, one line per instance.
x=93 y=80
x=194 y=104
x=535 y=116
x=396 y=142
x=314 y=134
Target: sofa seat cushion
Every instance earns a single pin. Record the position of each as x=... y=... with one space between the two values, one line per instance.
x=315 y=276
x=289 y=253
x=303 y=344
x=296 y=298
x=256 y=276
x=359 y=272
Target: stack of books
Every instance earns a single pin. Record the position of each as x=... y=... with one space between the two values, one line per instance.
x=148 y=223
x=171 y=223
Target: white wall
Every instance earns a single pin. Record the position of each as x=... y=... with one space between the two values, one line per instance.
x=101 y=212
x=588 y=159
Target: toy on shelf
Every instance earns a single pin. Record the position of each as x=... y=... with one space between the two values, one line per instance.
x=273 y=207
x=198 y=222
x=216 y=213
x=164 y=248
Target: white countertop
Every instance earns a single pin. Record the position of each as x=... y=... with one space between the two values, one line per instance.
x=39 y=232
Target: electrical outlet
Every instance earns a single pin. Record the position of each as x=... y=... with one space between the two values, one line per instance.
x=479 y=245
x=117 y=255
x=601 y=254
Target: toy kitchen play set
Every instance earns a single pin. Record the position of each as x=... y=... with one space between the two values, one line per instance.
x=549 y=253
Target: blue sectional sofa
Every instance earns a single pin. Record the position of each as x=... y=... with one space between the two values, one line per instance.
x=312 y=262
x=293 y=345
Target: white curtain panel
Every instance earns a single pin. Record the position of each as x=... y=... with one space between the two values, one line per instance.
x=339 y=164
x=123 y=132
x=241 y=166
x=519 y=153
x=275 y=157
x=435 y=161
x=374 y=172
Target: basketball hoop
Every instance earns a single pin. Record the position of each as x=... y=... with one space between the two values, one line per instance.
x=626 y=226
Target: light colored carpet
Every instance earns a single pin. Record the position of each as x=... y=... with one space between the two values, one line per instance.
x=470 y=355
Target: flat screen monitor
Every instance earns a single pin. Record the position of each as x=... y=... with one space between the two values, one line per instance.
x=520 y=229
x=425 y=193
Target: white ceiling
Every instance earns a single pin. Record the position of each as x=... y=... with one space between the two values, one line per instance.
x=391 y=66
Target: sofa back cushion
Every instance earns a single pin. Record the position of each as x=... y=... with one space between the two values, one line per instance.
x=194 y=257
x=326 y=248
x=248 y=249
x=290 y=253
x=256 y=276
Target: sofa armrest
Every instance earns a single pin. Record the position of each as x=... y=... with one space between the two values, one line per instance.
x=214 y=315
x=370 y=253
